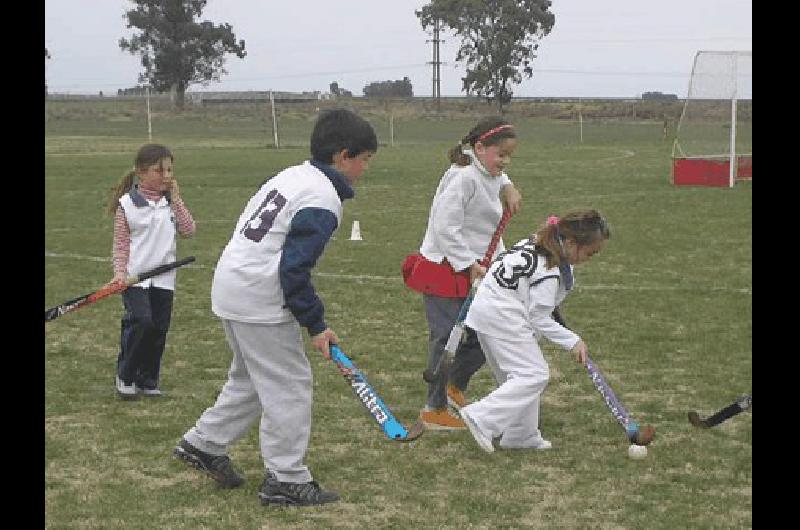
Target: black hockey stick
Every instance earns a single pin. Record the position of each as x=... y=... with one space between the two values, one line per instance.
x=76 y=303
x=743 y=403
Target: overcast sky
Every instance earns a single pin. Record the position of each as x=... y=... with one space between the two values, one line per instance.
x=615 y=48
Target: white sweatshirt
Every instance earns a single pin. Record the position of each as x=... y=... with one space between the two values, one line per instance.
x=464 y=214
x=516 y=298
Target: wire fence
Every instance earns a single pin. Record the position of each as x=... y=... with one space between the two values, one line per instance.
x=283 y=122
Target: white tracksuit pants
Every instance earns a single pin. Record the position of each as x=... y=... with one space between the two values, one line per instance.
x=270 y=377
x=511 y=411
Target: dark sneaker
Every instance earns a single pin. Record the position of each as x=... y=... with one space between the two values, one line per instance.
x=217 y=467
x=293 y=494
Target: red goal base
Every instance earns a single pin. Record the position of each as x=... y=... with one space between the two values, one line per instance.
x=709 y=172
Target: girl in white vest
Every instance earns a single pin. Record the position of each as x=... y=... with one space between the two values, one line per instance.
x=148 y=215
x=512 y=310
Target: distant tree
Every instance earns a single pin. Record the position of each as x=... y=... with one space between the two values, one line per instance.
x=384 y=89
x=175 y=48
x=138 y=90
x=498 y=40
x=334 y=87
x=659 y=96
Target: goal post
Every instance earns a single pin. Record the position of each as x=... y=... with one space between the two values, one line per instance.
x=713 y=143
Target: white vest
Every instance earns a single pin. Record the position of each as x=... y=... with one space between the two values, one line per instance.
x=516 y=298
x=246 y=285
x=153 y=230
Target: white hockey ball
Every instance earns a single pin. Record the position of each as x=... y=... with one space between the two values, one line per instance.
x=637 y=452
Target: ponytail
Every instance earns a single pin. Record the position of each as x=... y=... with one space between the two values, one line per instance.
x=119 y=190
x=458 y=156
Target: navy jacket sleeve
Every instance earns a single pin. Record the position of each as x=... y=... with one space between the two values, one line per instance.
x=310 y=230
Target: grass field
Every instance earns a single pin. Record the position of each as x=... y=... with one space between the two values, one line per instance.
x=666 y=310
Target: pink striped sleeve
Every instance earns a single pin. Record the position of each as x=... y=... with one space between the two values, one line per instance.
x=122 y=243
x=184 y=219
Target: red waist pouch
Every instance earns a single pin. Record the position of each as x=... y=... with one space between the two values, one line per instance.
x=438 y=279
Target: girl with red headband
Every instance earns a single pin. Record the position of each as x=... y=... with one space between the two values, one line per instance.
x=465 y=212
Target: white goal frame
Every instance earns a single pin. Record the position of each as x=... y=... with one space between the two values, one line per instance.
x=726 y=90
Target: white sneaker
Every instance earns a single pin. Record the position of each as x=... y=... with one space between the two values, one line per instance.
x=152 y=392
x=125 y=391
x=540 y=444
x=483 y=441
x=543 y=444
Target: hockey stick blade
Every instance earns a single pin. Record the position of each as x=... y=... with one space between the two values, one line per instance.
x=743 y=403
x=392 y=428
x=694 y=419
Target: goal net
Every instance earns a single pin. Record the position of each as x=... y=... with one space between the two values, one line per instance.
x=714 y=138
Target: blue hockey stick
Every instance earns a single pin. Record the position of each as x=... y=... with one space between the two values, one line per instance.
x=392 y=428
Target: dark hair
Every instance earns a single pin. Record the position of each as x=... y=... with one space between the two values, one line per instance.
x=338 y=129
x=499 y=129
x=146 y=156
x=585 y=227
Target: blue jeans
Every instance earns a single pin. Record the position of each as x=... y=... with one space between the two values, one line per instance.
x=143 y=335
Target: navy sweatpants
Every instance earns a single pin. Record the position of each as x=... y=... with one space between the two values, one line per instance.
x=143 y=335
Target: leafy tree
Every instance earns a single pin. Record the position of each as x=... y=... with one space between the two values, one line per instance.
x=337 y=91
x=499 y=39
x=401 y=88
x=176 y=49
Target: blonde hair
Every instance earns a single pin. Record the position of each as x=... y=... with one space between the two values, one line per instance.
x=147 y=155
x=585 y=227
x=498 y=129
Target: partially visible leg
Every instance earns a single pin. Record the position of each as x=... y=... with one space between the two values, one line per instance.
x=441 y=314
x=281 y=374
x=161 y=309
x=512 y=409
x=137 y=331
x=468 y=359
x=236 y=408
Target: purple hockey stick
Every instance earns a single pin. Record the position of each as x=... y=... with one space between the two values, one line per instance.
x=636 y=435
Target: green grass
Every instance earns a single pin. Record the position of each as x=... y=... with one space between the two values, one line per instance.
x=666 y=310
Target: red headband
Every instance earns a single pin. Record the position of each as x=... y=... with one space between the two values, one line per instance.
x=490 y=132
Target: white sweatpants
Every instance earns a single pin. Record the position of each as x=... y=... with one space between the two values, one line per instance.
x=511 y=411
x=270 y=377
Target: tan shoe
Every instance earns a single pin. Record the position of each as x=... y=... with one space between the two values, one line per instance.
x=455 y=397
x=441 y=420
